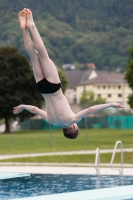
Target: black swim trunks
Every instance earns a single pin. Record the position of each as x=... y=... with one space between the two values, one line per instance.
x=46 y=87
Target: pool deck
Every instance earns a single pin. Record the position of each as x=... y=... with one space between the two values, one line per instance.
x=62 y=170
x=115 y=193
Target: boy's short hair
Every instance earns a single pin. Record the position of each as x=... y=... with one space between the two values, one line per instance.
x=70 y=133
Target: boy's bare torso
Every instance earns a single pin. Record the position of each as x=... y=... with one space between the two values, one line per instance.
x=57 y=109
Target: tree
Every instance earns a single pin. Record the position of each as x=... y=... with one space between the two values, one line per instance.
x=63 y=79
x=129 y=76
x=88 y=99
x=17 y=85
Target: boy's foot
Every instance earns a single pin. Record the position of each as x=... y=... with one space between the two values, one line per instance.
x=29 y=22
x=22 y=19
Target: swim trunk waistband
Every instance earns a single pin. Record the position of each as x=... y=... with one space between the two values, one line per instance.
x=46 y=87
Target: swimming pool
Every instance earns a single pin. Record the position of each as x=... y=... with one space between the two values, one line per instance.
x=43 y=184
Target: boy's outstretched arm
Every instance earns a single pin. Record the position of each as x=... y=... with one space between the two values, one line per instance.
x=95 y=109
x=32 y=109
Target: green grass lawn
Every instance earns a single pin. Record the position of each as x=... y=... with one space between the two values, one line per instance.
x=104 y=158
x=45 y=141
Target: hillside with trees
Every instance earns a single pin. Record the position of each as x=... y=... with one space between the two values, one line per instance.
x=75 y=31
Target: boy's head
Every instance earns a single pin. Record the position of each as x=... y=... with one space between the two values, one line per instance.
x=71 y=132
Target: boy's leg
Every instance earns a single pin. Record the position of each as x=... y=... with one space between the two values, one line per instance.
x=48 y=66
x=33 y=54
x=37 y=69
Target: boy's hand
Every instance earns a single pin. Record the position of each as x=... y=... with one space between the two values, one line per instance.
x=18 y=109
x=117 y=105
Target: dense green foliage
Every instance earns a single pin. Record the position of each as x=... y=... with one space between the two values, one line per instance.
x=75 y=31
x=88 y=99
x=63 y=79
x=129 y=77
x=17 y=85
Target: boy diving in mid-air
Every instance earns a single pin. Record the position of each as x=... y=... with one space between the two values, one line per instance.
x=58 y=111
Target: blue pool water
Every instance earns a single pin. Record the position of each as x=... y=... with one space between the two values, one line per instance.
x=42 y=184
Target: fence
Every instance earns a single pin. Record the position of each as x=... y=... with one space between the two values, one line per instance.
x=36 y=124
x=115 y=122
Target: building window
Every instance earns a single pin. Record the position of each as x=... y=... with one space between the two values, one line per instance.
x=114 y=87
x=104 y=87
x=98 y=87
x=109 y=95
x=119 y=87
x=108 y=87
x=99 y=95
x=119 y=95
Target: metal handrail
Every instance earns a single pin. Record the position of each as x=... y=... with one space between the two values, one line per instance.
x=113 y=155
x=97 y=161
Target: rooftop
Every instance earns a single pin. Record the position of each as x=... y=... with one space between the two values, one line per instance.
x=83 y=77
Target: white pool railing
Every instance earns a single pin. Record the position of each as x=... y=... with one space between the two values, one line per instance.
x=97 y=161
x=113 y=155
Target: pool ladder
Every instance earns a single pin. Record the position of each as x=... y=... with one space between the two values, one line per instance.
x=113 y=155
x=97 y=159
x=97 y=162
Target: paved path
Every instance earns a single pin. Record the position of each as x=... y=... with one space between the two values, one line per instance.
x=54 y=164
x=3 y=157
x=62 y=168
